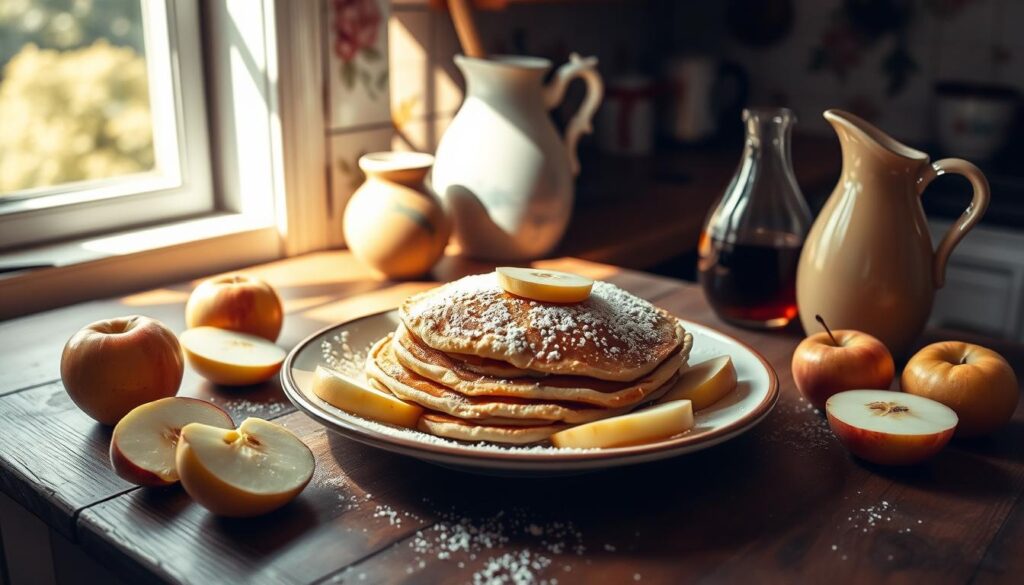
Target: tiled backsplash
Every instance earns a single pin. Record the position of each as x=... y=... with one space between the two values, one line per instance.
x=392 y=82
x=946 y=40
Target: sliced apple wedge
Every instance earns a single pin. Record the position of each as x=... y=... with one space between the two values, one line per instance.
x=144 y=440
x=243 y=472
x=550 y=286
x=643 y=426
x=230 y=358
x=705 y=383
x=361 y=400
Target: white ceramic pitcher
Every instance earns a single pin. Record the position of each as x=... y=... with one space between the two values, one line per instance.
x=501 y=167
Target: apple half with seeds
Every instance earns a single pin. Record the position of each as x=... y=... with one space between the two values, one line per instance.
x=144 y=441
x=248 y=471
x=890 y=428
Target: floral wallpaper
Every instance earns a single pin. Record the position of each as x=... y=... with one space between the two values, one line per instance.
x=356 y=26
x=357 y=62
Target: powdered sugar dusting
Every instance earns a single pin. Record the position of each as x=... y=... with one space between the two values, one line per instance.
x=514 y=567
x=338 y=354
x=611 y=326
x=495 y=545
x=535 y=543
x=243 y=407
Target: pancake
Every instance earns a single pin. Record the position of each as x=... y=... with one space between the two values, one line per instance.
x=613 y=335
x=438 y=367
x=451 y=427
x=491 y=367
x=383 y=369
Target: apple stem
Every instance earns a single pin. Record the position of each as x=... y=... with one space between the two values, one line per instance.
x=827 y=330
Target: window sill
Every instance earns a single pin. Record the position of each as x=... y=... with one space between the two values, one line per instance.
x=95 y=267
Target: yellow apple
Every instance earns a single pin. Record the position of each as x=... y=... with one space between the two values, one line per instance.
x=976 y=382
x=238 y=302
x=705 y=383
x=110 y=367
x=230 y=358
x=242 y=472
x=643 y=426
x=361 y=400
x=144 y=441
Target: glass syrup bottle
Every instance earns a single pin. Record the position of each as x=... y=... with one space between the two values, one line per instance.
x=752 y=239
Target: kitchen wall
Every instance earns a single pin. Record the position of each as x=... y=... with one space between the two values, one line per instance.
x=391 y=82
x=883 y=63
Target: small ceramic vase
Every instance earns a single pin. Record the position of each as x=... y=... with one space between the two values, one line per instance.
x=393 y=222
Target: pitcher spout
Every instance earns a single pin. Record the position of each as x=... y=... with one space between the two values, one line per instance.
x=855 y=133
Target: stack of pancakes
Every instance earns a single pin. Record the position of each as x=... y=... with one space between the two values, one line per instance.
x=491 y=366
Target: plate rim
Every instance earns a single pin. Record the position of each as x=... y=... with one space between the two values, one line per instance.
x=456 y=455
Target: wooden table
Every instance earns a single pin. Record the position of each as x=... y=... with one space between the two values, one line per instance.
x=783 y=503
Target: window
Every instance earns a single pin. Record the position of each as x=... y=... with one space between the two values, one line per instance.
x=242 y=186
x=102 y=117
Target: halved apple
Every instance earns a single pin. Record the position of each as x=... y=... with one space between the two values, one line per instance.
x=551 y=286
x=643 y=426
x=361 y=400
x=705 y=383
x=243 y=472
x=144 y=440
x=231 y=358
x=890 y=428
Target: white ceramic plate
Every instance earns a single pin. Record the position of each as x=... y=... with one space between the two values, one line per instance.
x=344 y=346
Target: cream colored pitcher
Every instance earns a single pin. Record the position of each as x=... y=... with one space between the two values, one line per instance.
x=868 y=262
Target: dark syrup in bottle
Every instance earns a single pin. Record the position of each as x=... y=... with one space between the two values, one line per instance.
x=752 y=283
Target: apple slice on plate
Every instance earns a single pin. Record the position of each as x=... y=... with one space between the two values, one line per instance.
x=230 y=358
x=705 y=383
x=361 y=400
x=243 y=472
x=550 y=286
x=643 y=426
x=890 y=428
x=143 y=444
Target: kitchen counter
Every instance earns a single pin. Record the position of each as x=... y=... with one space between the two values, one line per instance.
x=782 y=503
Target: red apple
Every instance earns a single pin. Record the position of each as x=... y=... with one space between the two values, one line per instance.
x=833 y=361
x=976 y=382
x=112 y=366
x=143 y=445
x=890 y=428
x=237 y=302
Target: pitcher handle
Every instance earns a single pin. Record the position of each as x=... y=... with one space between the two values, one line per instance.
x=970 y=216
x=585 y=68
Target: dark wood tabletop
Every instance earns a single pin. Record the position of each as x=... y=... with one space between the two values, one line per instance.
x=781 y=503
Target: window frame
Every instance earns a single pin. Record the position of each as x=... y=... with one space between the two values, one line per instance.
x=182 y=183
x=264 y=80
